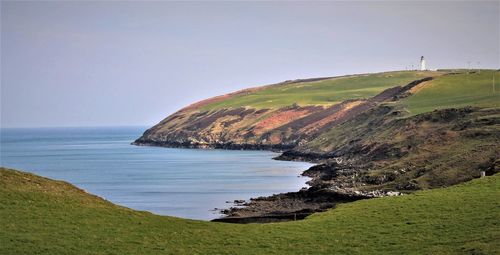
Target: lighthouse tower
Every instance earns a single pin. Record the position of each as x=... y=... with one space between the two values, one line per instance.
x=422 y=64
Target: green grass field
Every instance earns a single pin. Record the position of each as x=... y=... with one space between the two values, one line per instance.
x=480 y=89
x=41 y=216
x=326 y=92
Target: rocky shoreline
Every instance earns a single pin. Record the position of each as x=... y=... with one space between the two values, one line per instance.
x=223 y=146
x=279 y=207
x=320 y=196
x=289 y=206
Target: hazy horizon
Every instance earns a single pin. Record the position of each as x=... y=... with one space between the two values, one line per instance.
x=98 y=64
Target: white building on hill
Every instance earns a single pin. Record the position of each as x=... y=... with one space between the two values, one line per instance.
x=422 y=64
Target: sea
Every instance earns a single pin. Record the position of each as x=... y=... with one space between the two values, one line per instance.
x=186 y=183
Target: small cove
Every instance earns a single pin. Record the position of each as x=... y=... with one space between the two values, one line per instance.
x=187 y=183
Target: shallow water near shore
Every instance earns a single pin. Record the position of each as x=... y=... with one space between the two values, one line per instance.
x=187 y=183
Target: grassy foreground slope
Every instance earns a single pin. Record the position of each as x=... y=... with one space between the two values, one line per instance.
x=42 y=216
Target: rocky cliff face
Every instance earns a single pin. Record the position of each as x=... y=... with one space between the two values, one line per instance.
x=280 y=128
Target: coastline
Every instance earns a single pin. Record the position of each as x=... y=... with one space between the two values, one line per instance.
x=172 y=182
x=288 y=206
x=221 y=146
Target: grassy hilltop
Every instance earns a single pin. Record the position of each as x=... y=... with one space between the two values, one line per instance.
x=323 y=92
x=42 y=216
x=479 y=89
x=295 y=112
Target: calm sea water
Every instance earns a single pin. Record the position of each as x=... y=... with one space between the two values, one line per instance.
x=187 y=183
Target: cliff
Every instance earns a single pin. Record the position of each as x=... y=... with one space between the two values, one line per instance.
x=279 y=116
x=371 y=134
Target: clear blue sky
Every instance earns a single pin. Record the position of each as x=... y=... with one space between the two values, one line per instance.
x=133 y=63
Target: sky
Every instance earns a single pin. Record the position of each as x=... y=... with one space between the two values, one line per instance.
x=90 y=63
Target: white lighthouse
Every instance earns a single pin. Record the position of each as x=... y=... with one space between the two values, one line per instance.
x=422 y=64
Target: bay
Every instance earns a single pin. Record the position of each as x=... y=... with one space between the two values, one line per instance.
x=187 y=183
